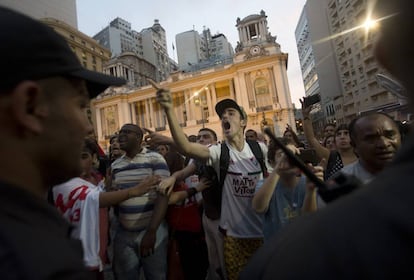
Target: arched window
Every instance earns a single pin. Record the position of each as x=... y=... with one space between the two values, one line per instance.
x=261 y=89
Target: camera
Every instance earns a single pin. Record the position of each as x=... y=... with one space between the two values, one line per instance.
x=309 y=156
x=310 y=100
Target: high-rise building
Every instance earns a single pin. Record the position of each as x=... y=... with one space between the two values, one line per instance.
x=62 y=10
x=118 y=37
x=198 y=51
x=150 y=44
x=317 y=60
x=342 y=58
x=154 y=43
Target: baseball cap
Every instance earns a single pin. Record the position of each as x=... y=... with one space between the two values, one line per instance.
x=229 y=103
x=32 y=50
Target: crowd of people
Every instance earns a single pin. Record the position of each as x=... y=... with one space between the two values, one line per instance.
x=186 y=207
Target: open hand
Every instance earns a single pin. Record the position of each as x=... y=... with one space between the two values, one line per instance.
x=148 y=184
x=166 y=185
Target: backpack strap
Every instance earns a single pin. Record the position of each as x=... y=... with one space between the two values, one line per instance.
x=258 y=154
x=224 y=163
x=225 y=159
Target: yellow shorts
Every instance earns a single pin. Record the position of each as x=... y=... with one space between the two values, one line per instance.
x=237 y=252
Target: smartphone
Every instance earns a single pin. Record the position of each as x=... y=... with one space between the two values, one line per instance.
x=295 y=160
x=310 y=100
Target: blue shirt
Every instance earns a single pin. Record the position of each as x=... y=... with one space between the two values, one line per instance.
x=284 y=206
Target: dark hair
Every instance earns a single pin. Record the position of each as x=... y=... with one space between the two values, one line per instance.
x=329 y=124
x=112 y=138
x=341 y=127
x=273 y=147
x=211 y=131
x=139 y=132
x=91 y=146
x=326 y=139
x=254 y=131
x=296 y=140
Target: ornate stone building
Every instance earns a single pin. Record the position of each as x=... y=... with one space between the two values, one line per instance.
x=256 y=80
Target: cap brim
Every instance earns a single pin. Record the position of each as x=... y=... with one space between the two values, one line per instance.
x=97 y=82
x=224 y=104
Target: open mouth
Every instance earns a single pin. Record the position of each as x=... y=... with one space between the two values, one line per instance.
x=226 y=125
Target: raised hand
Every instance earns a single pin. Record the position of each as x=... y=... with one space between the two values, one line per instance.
x=148 y=184
x=154 y=139
x=166 y=185
x=318 y=171
x=203 y=184
x=163 y=95
x=305 y=110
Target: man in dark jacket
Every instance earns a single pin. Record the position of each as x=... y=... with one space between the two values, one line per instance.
x=44 y=94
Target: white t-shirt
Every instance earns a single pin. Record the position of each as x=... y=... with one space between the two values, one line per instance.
x=237 y=215
x=78 y=201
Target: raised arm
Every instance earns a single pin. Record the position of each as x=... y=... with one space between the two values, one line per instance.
x=179 y=196
x=184 y=146
x=261 y=198
x=320 y=150
x=112 y=198
x=166 y=185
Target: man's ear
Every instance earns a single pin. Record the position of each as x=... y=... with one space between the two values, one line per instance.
x=28 y=107
x=243 y=123
x=95 y=161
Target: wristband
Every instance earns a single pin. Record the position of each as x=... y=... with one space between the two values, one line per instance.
x=191 y=192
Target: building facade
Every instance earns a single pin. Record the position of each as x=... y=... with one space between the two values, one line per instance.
x=256 y=80
x=134 y=69
x=62 y=10
x=317 y=61
x=342 y=58
x=92 y=55
x=149 y=44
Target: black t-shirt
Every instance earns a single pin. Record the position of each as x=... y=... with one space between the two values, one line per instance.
x=35 y=240
x=368 y=234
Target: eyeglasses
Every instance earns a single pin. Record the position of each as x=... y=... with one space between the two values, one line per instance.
x=129 y=131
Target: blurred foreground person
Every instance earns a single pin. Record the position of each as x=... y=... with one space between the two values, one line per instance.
x=44 y=94
x=369 y=233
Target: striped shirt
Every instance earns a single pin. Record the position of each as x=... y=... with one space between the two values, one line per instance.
x=135 y=213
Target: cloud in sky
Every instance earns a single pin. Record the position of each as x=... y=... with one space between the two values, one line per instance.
x=218 y=15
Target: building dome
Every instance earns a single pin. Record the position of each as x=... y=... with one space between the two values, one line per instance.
x=253 y=17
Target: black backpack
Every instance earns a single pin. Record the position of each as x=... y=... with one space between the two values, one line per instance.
x=212 y=195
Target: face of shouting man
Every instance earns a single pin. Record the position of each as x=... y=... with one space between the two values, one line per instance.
x=130 y=139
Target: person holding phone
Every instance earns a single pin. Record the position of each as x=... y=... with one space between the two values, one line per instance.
x=335 y=159
x=285 y=194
